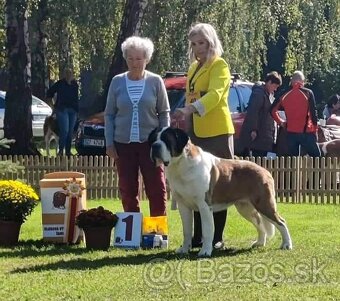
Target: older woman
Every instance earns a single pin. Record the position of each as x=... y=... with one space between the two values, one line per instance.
x=137 y=103
x=207 y=93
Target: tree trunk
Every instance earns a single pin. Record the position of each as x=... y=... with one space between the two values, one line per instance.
x=65 y=60
x=130 y=25
x=40 y=82
x=18 y=114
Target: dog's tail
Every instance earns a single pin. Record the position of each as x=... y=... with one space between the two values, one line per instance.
x=268 y=226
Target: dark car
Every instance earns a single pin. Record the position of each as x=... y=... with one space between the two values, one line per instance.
x=90 y=137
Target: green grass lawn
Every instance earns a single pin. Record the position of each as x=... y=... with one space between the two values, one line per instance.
x=311 y=271
x=40 y=144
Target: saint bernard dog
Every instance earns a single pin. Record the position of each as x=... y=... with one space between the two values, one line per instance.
x=202 y=182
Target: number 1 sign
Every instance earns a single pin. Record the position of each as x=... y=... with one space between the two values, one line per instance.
x=128 y=231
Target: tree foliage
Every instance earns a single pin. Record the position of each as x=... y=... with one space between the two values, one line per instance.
x=257 y=36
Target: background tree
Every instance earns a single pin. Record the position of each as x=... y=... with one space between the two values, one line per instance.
x=130 y=25
x=97 y=28
x=38 y=34
x=257 y=35
x=2 y=46
x=18 y=116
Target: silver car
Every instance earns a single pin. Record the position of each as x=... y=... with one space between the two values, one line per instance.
x=40 y=110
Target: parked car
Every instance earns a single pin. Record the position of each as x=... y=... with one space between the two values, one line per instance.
x=90 y=139
x=40 y=110
x=90 y=136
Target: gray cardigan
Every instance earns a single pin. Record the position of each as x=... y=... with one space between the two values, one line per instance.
x=153 y=109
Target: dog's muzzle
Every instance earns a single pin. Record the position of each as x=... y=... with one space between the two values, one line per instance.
x=156 y=154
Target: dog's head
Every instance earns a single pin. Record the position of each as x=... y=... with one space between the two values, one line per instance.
x=167 y=143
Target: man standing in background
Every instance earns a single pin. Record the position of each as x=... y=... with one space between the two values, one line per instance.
x=301 y=117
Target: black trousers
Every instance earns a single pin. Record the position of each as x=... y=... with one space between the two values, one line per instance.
x=220 y=219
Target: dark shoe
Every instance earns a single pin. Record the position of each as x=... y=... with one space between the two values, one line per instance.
x=219 y=245
x=219 y=223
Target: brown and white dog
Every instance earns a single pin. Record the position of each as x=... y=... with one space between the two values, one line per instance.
x=51 y=131
x=202 y=182
x=330 y=148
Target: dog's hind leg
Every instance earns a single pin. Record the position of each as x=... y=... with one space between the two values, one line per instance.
x=270 y=213
x=248 y=211
x=269 y=226
x=280 y=224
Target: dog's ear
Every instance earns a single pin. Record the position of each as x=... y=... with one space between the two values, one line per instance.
x=182 y=139
x=153 y=136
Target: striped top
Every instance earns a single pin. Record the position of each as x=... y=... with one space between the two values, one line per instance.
x=135 y=90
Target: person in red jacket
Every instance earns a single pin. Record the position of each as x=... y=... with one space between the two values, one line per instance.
x=298 y=103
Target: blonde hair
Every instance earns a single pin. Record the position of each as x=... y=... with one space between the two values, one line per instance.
x=208 y=32
x=135 y=42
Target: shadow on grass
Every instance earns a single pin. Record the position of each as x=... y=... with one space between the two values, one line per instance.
x=109 y=260
x=33 y=248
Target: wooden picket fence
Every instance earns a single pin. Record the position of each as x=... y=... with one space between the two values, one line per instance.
x=297 y=179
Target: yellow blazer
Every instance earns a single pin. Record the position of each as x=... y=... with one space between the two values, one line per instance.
x=211 y=83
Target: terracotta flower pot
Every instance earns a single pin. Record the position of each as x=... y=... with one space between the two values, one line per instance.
x=98 y=238
x=9 y=233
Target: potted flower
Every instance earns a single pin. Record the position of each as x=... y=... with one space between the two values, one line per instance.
x=97 y=224
x=17 y=201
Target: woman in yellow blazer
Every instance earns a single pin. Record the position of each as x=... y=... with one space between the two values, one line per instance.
x=207 y=91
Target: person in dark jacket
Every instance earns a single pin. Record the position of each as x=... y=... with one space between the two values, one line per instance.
x=258 y=130
x=332 y=106
x=301 y=121
x=65 y=108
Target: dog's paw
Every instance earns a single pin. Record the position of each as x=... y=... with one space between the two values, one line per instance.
x=182 y=250
x=258 y=244
x=286 y=245
x=205 y=252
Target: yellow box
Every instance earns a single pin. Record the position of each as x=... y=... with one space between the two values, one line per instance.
x=59 y=209
x=155 y=225
x=155 y=232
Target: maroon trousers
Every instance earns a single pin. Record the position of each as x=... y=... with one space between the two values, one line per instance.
x=132 y=158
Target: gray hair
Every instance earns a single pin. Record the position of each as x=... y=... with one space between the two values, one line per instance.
x=297 y=77
x=138 y=43
x=208 y=33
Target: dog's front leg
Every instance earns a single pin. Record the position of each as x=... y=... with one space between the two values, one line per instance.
x=207 y=221
x=187 y=217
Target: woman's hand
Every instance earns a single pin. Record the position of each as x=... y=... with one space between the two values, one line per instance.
x=283 y=124
x=183 y=113
x=112 y=153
